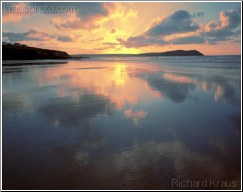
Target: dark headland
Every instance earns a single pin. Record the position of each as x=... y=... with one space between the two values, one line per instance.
x=174 y=53
x=22 y=52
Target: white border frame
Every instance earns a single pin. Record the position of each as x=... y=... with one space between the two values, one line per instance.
x=124 y=2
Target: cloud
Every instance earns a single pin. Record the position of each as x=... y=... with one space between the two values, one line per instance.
x=179 y=22
x=110 y=43
x=187 y=32
x=31 y=35
x=68 y=15
x=198 y=14
x=225 y=28
x=87 y=16
x=73 y=22
x=34 y=35
x=64 y=38
x=136 y=116
x=188 y=40
x=141 y=41
x=84 y=9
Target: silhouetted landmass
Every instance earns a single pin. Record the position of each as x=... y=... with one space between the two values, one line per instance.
x=167 y=53
x=22 y=52
x=174 y=53
x=17 y=51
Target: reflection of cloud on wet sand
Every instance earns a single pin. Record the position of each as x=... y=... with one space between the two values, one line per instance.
x=16 y=104
x=222 y=88
x=148 y=165
x=169 y=87
x=136 y=116
x=169 y=156
x=177 y=78
x=75 y=111
x=185 y=163
x=178 y=87
x=81 y=158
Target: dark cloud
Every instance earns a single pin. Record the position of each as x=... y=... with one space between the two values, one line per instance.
x=188 y=40
x=64 y=38
x=84 y=9
x=13 y=37
x=198 y=14
x=179 y=22
x=110 y=43
x=91 y=9
x=33 y=35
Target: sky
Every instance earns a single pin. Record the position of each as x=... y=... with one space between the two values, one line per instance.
x=213 y=28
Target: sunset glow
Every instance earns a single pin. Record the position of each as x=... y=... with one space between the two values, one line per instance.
x=127 y=27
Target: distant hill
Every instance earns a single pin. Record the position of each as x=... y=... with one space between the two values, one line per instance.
x=23 y=52
x=174 y=53
x=167 y=53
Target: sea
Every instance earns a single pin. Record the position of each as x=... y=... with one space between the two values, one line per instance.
x=122 y=122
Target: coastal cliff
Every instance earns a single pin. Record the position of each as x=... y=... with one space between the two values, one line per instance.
x=13 y=52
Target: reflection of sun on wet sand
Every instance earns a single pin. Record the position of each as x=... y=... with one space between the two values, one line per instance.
x=113 y=82
x=120 y=74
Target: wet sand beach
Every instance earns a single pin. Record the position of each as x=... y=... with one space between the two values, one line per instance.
x=122 y=123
